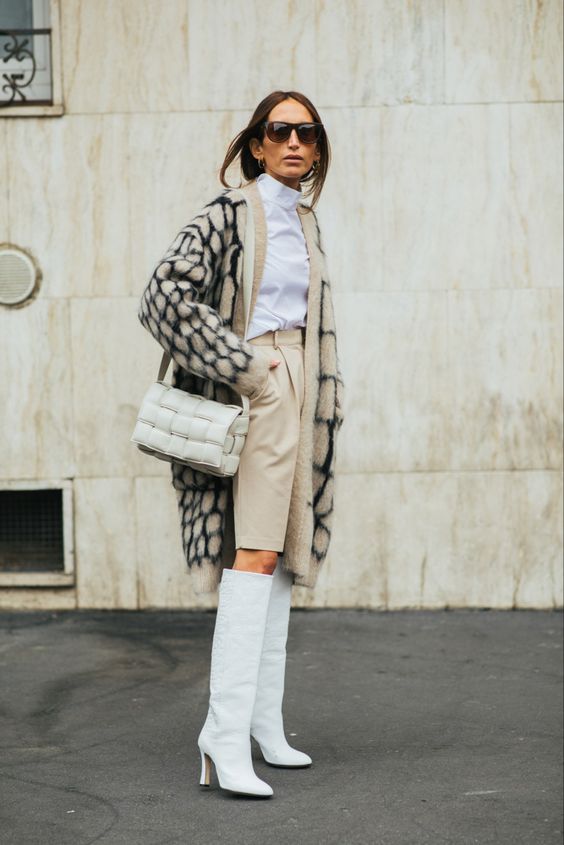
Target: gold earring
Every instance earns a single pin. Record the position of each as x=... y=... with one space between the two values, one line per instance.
x=261 y=162
x=315 y=166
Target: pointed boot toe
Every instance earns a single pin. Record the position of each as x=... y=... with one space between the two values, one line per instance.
x=282 y=754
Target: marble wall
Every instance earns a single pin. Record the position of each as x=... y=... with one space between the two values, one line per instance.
x=442 y=221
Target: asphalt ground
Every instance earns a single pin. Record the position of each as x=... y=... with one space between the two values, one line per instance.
x=424 y=727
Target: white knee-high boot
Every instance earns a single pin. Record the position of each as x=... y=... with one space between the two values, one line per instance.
x=267 y=725
x=236 y=650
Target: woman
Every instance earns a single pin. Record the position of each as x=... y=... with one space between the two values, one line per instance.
x=253 y=536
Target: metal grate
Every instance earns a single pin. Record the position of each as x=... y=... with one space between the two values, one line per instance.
x=25 y=67
x=17 y=276
x=31 y=531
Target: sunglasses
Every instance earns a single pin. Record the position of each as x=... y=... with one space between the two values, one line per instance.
x=308 y=133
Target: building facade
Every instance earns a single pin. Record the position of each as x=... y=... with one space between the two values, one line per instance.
x=445 y=121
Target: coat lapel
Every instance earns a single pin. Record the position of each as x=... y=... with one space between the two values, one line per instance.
x=252 y=193
x=300 y=518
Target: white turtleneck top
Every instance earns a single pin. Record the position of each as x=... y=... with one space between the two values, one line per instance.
x=282 y=298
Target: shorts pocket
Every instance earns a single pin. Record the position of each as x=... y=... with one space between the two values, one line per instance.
x=254 y=396
x=270 y=380
x=264 y=385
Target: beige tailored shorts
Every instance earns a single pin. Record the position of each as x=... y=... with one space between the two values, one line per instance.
x=262 y=485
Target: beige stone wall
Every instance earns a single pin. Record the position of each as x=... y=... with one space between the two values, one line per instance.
x=442 y=219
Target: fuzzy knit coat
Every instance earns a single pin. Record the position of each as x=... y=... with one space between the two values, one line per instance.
x=193 y=306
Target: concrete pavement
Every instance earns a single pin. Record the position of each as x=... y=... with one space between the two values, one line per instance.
x=425 y=727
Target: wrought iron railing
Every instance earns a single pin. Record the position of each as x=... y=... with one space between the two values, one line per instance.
x=25 y=67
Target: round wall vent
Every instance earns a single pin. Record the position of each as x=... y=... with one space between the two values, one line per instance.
x=17 y=276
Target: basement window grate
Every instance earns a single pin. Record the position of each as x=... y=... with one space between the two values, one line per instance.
x=31 y=531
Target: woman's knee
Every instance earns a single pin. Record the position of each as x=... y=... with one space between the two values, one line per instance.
x=256 y=560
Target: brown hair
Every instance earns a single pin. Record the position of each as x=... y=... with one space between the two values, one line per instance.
x=313 y=180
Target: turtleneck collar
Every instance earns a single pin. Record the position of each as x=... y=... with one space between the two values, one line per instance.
x=277 y=192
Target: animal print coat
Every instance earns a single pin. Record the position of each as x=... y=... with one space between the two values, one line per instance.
x=193 y=306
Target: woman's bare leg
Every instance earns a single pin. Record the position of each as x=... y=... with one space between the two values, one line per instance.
x=256 y=560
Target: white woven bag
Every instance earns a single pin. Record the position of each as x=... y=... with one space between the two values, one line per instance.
x=174 y=425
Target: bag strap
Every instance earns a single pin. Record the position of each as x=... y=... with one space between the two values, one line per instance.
x=248 y=274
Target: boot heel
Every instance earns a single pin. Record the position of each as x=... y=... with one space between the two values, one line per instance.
x=206 y=769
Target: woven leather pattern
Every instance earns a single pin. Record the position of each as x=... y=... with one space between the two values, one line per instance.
x=173 y=425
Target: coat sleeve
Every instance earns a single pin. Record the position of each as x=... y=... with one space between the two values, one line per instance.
x=192 y=332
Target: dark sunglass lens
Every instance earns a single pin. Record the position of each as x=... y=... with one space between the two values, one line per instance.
x=308 y=133
x=278 y=131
